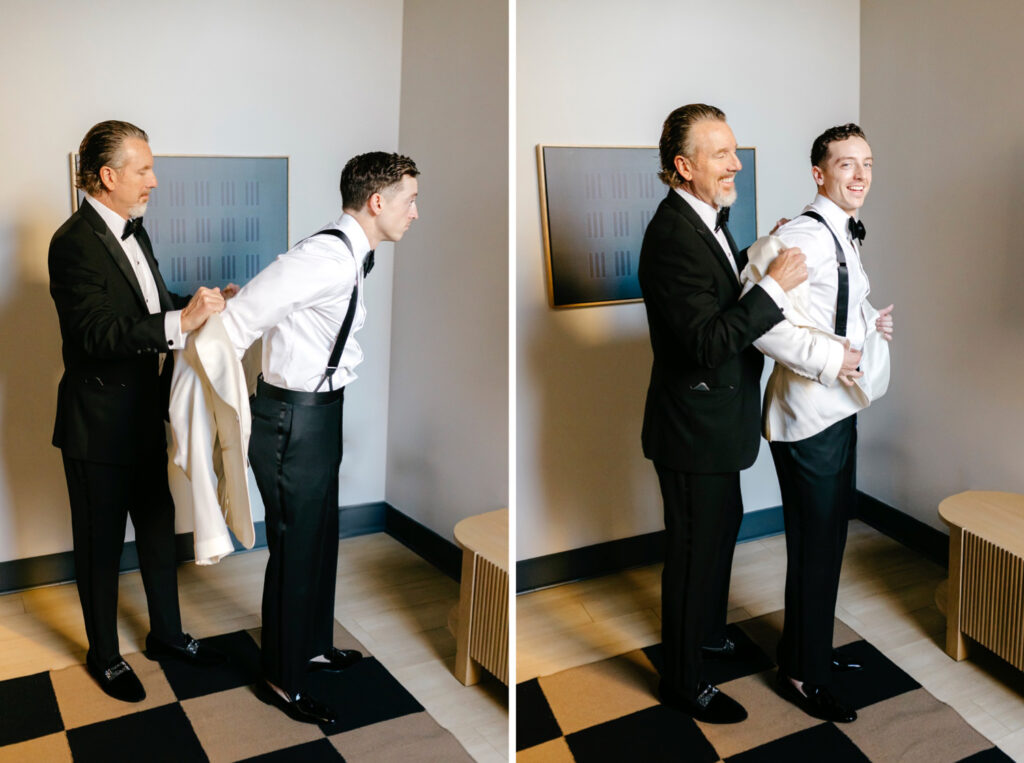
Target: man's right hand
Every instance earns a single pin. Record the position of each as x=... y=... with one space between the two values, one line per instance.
x=789 y=268
x=204 y=303
x=851 y=360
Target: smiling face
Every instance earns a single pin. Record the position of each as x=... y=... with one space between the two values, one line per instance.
x=844 y=175
x=397 y=208
x=127 y=188
x=710 y=173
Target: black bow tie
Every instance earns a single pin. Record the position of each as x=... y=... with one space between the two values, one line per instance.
x=856 y=228
x=722 y=218
x=131 y=227
x=368 y=264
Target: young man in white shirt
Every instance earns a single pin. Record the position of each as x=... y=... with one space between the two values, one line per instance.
x=307 y=304
x=814 y=445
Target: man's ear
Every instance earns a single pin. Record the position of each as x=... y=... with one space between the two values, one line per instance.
x=684 y=168
x=375 y=203
x=819 y=177
x=108 y=177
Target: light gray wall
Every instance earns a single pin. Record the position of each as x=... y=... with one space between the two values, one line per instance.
x=448 y=418
x=941 y=104
x=608 y=74
x=316 y=80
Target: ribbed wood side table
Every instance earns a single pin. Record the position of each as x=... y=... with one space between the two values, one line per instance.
x=985 y=596
x=482 y=629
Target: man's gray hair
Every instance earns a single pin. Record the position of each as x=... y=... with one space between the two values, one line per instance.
x=676 y=137
x=103 y=146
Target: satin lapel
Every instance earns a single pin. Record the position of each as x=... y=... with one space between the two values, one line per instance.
x=113 y=247
x=161 y=288
x=708 y=237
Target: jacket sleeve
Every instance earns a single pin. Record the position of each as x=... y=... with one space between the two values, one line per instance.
x=89 y=319
x=677 y=282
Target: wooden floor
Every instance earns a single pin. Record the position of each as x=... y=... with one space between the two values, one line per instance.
x=887 y=594
x=388 y=597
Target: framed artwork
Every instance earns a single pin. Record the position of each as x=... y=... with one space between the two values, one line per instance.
x=213 y=220
x=596 y=202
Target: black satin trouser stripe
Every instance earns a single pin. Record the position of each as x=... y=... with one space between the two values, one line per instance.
x=702 y=520
x=817 y=477
x=295 y=452
x=102 y=497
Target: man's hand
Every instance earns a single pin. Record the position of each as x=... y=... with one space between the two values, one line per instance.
x=883 y=323
x=778 y=224
x=789 y=269
x=230 y=290
x=203 y=304
x=851 y=360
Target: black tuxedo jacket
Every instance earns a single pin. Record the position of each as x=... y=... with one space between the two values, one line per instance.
x=703 y=404
x=111 y=402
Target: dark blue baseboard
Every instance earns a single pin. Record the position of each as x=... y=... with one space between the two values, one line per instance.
x=358 y=519
x=617 y=555
x=913 y=533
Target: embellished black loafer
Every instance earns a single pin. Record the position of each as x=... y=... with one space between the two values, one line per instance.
x=299 y=707
x=192 y=651
x=337 y=660
x=710 y=706
x=728 y=650
x=816 y=701
x=118 y=680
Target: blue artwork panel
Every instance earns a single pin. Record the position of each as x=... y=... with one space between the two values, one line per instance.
x=598 y=202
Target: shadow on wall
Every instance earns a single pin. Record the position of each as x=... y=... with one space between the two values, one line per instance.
x=30 y=367
x=591 y=389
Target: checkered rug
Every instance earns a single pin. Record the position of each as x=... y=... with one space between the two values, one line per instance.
x=608 y=711
x=211 y=714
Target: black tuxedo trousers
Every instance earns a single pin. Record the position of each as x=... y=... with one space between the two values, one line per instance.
x=817 y=477
x=702 y=520
x=295 y=450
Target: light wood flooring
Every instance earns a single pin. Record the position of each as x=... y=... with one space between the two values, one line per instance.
x=388 y=597
x=887 y=594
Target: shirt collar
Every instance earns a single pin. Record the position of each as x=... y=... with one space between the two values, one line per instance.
x=707 y=213
x=351 y=228
x=831 y=211
x=113 y=220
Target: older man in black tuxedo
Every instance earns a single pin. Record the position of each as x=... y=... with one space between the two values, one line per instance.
x=703 y=404
x=118 y=324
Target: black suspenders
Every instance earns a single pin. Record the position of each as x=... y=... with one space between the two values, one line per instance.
x=843 y=293
x=346 y=324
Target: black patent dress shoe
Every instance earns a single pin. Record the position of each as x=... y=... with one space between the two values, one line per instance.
x=728 y=650
x=118 y=680
x=841 y=664
x=298 y=707
x=816 y=701
x=710 y=706
x=192 y=651
x=337 y=660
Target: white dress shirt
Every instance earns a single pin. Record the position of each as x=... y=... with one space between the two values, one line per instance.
x=137 y=260
x=709 y=215
x=298 y=303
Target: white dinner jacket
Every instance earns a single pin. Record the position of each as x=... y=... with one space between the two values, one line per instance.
x=210 y=422
x=803 y=396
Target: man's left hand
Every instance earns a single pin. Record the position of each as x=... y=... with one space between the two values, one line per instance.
x=230 y=290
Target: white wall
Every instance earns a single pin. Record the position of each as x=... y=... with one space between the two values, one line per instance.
x=941 y=105
x=608 y=74
x=317 y=80
x=448 y=433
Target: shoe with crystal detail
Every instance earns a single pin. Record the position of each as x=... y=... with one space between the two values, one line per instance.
x=710 y=706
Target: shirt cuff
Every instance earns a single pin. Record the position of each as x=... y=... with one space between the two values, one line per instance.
x=172 y=330
x=833 y=364
x=779 y=297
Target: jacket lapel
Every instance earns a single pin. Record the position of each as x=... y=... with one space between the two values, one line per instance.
x=715 y=249
x=113 y=247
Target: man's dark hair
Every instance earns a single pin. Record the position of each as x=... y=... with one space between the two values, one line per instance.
x=371 y=173
x=103 y=146
x=819 y=149
x=676 y=139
